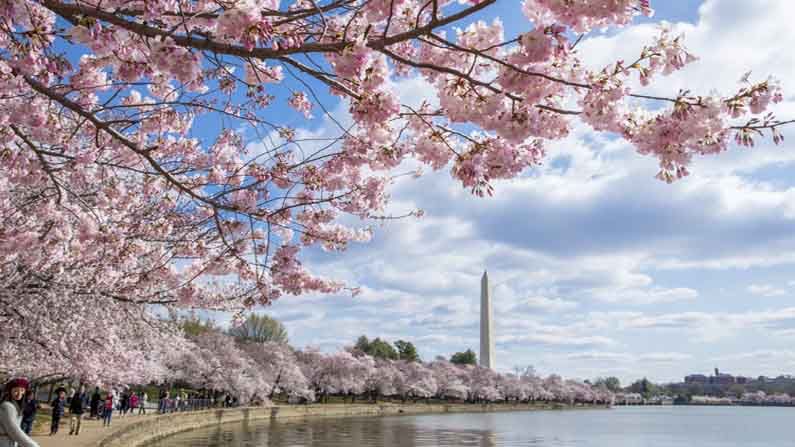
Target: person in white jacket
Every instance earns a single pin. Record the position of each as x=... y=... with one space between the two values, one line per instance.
x=11 y=435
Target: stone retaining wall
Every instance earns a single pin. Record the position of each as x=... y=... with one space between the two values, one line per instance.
x=152 y=428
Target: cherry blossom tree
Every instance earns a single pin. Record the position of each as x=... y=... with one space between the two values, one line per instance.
x=512 y=388
x=448 y=380
x=158 y=153
x=384 y=379
x=278 y=362
x=216 y=363
x=483 y=384
x=339 y=373
x=416 y=380
x=52 y=334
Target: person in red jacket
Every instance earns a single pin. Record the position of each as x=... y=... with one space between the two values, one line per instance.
x=133 y=402
x=106 y=416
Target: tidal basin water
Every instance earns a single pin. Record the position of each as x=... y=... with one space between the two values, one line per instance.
x=619 y=427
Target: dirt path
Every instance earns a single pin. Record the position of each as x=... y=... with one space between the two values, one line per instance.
x=91 y=432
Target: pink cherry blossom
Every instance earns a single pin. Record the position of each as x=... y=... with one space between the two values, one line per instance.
x=301 y=103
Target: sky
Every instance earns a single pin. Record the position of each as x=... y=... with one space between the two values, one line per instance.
x=597 y=268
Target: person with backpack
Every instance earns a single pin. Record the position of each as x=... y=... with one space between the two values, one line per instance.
x=96 y=398
x=29 y=410
x=163 y=404
x=58 y=404
x=76 y=409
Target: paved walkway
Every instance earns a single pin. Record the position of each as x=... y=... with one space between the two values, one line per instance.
x=91 y=432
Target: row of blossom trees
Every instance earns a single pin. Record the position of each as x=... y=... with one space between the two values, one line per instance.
x=263 y=371
x=761 y=398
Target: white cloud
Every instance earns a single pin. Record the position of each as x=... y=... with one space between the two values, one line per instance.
x=626 y=357
x=766 y=290
x=557 y=340
x=543 y=304
x=762 y=354
x=774 y=319
x=664 y=357
x=647 y=296
x=601 y=356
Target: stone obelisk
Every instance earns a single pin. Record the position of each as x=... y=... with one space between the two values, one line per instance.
x=486 y=325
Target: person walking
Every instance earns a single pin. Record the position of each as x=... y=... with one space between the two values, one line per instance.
x=11 y=405
x=76 y=409
x=57 y=405
x=107 y=414
x=133 y=402
x=163 y=402
x=125 y=403
x=94 y=406
x=29 y=411
x=142 y=403
x=116 y=400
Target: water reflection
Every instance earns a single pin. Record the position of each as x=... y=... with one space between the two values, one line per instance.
x=392 y=432
x=630 y=427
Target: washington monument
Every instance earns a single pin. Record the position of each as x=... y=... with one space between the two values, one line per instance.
x=486 y=325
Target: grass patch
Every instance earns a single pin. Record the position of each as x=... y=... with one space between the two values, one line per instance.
x=43 y=421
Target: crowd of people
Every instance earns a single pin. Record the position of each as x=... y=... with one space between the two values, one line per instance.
x=20 y=406
x=99 y=404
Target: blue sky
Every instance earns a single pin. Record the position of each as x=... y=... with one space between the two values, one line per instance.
x=598 y=268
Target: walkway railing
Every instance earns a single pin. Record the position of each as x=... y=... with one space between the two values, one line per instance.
x=173 y=405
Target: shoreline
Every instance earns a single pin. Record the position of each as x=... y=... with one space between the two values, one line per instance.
x=142 y=431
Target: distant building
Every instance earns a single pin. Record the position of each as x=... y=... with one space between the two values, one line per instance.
x=721 y=383
x=660 y=400
x=697 y=378
x=628 y=399
x=721 y=379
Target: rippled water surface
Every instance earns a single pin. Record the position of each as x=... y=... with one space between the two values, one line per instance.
x=621 y=427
